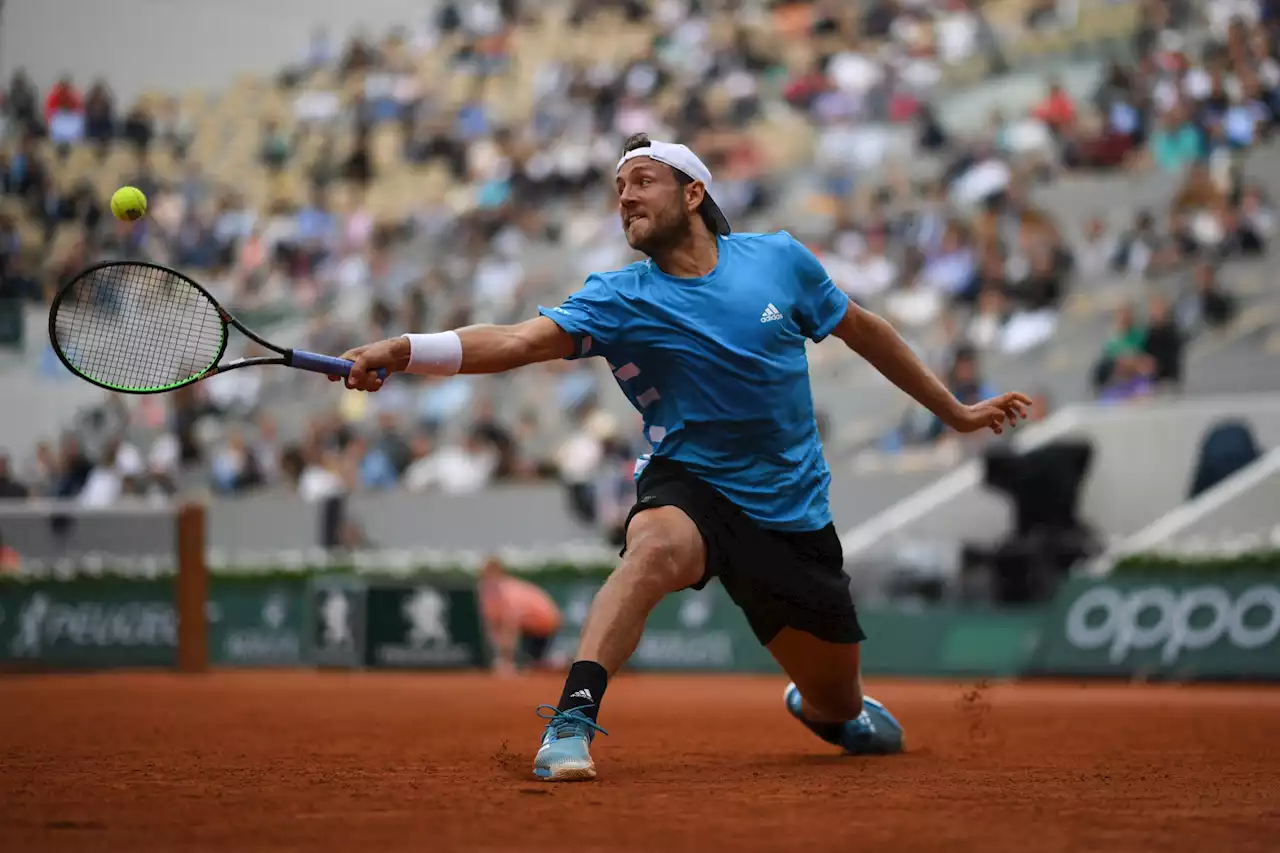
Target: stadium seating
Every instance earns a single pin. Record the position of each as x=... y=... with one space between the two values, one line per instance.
x=423 y=202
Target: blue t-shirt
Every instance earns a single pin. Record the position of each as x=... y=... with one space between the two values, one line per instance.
x=717 y=368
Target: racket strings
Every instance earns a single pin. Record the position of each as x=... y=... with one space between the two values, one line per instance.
x=138 y=328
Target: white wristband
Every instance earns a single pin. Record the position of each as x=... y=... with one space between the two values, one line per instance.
x=437 y=354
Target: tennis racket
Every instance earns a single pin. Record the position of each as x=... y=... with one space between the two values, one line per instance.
x=141 y=328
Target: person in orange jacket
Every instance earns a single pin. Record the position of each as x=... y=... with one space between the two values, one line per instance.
x=519 y=616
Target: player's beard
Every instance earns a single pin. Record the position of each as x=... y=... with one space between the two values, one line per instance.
x=668 y=228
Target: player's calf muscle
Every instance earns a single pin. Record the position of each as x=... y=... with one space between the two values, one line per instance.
x=838 y=704
x=828 y=675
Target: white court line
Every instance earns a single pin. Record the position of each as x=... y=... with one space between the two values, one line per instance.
x=1179 y=519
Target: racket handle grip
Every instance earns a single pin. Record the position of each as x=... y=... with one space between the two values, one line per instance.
x=327 y=364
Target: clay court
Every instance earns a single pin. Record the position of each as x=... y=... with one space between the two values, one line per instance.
x=350 y=762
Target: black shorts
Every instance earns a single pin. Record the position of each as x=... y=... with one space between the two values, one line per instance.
x=535 y=648
x=778 y=579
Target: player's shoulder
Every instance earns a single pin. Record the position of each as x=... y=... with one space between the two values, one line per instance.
x=619 y=279
x=781 y=249
x=779 y=240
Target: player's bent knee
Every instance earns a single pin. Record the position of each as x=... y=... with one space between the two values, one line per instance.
x=661 y=562
x=664 y=548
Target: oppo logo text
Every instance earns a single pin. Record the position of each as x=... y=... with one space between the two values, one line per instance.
x=1159 y=617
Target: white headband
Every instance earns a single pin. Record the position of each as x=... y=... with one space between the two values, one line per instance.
x=682 y=159
x=678 y=157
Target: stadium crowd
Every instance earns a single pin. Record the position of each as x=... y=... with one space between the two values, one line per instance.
x=957 y=257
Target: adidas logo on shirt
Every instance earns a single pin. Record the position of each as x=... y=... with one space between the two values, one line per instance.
x=770 y=314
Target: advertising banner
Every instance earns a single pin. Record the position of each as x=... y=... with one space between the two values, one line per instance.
x=114 y=622
x=252 y=623
x=1178 y=626
x=337 y=617
x=423 y=626
x=90 y=624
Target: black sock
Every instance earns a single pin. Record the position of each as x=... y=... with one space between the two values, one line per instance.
x=584 y=688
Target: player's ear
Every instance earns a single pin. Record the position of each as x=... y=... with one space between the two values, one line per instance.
x=694 y=193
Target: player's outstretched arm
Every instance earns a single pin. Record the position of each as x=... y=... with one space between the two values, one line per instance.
x=472 y=349
x=871 y=337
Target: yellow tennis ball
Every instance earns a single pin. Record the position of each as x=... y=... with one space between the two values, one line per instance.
x=128 y=204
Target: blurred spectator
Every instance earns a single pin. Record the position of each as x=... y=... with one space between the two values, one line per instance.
x=1208 y=304
x=932 y=136
x=1176 y=143
x=16 y=282
x=62 y=97
x=914 y=304
x=276 y=146
x=10 y=239
x=1042 y=15
x=235 y=467
x=426 y=201
x=1255 y=223
x=510 y=463
x=47 y=471
x=392 y=446
x=987 y=322
x=317 y=475
x=9 y=559
x=1125 y=344
x=73 y=469
x=950 y=270
x=359 y=167
x=1164 y=343
x=358 y=57
x=1130 y=378
x=1095 y=254
x=455 y=468
x=105 y=482
x=100 y=114
x=27 y=175
x=581 y=457
x=871 y=271
x=64 y=113
x=139 y=127
x=1057 y=110
x=373 y=466
x=1139 y=248
x=21 y=103
x=9 y=487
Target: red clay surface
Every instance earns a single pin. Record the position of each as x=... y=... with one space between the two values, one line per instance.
x=352 y=762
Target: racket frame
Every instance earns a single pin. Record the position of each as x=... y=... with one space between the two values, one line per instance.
x=300 y=359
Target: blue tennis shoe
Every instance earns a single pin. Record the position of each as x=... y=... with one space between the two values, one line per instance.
x=873 y=732
x=565 y=754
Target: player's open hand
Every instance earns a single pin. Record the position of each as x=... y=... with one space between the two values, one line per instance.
x=993 y=414
x=391 y=355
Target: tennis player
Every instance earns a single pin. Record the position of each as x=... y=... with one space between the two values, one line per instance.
x=707 y=338
x=520 y=618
